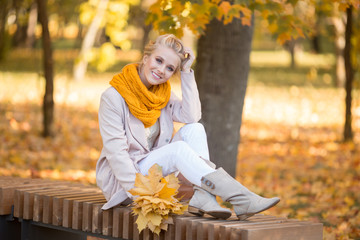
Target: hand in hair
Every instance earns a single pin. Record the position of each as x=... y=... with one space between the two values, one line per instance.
x=188 y=61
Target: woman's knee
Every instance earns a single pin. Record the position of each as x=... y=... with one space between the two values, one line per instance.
x=194 y=127
x=181 y=150
x=180 y=147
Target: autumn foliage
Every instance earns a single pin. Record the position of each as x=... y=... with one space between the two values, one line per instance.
x=174 y=16
x=155 y=200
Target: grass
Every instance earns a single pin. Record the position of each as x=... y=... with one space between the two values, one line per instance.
x=312 y=70
x=25 y=60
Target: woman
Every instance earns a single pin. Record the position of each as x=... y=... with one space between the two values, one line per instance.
x=136 y=118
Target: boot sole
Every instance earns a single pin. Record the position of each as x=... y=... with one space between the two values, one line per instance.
x=199 y=212
x=247 y=215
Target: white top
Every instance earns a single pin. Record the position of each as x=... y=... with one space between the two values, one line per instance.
x=152 y=133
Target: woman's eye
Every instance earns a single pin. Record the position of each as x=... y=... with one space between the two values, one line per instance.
x=170 y=69
x=158 y=60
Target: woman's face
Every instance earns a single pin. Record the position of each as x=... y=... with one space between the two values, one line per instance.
x=159 y=66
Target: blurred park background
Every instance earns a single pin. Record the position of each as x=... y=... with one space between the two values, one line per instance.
x=293 y=139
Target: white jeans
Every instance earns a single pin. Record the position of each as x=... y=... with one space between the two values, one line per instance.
x=185 y=154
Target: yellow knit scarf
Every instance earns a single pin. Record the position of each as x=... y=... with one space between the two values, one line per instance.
x=145 y=104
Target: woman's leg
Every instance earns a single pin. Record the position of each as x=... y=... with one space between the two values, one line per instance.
x=188 y=153
x=177 y=156
x=195 y=136
x=245 y=202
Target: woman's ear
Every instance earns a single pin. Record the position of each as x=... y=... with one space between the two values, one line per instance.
x=145 y=58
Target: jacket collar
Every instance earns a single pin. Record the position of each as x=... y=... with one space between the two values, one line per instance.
x=138 y=130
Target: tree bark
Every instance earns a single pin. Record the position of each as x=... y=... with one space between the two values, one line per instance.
x=339 y=29
x=137 y=17
x=88 y=42
x=348 y=134
x=31 y=27
x=19 y=37
x=222 y=71
x=48 y=102
x=292 y=50
x=315 y=39
x=4 y=36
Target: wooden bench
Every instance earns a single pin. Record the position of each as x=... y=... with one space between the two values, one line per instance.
x=38 y=209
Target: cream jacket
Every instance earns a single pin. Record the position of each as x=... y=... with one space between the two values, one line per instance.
x=124 y=141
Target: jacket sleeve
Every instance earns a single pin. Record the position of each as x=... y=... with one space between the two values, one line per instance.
x=112 y=130
x=187 y=109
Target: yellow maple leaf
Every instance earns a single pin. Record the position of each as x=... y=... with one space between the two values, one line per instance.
x=225 y=7
x=148 y=185
x=284 y=37
x=154 y=218
x=246 y=21
x=172 y=181
x=155 y=200
x=273 y=27
x=300 y=32
x=166 y=192
x=141 y=221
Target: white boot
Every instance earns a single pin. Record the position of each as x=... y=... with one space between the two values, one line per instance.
x=204 y=202
x=245 y=202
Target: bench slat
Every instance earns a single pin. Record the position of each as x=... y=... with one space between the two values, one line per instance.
x=7 y=194
x=107 y=222
x=128 y=224
x=48 y=203
x=57 y=216
x=225 y=230
x=280 y=231
x=180 y=229
x=202 y=228
x=97 y=217
x=117 y=222
x=88 y=212
x=67 y=210
x=170 y=233
x=136 y=234
x=29 y=200
x=38 y=209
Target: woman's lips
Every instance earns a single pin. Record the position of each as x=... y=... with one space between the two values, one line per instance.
x=156 y=75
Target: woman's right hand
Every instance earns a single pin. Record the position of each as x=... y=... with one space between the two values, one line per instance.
x=190 y=57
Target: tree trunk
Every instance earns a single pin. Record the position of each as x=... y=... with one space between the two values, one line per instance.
x=339 y=51
x=221 y=71
x=290 y=46
x=4 y=35
x=348 y=134
x=315 y=39
x=31 y=27
x=88 y=42
x=48 y=103
x=79 y=37
x=19 y=38
x=145 y=40
x=137 y=17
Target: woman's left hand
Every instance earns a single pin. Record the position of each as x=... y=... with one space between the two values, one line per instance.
x=186 y=65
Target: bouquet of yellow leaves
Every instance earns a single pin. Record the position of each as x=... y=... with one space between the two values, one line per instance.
x=155 y=200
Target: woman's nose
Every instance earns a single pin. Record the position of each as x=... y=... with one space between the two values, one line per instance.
x=162 y=68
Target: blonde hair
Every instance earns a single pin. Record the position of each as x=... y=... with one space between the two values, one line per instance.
x=170 y=41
